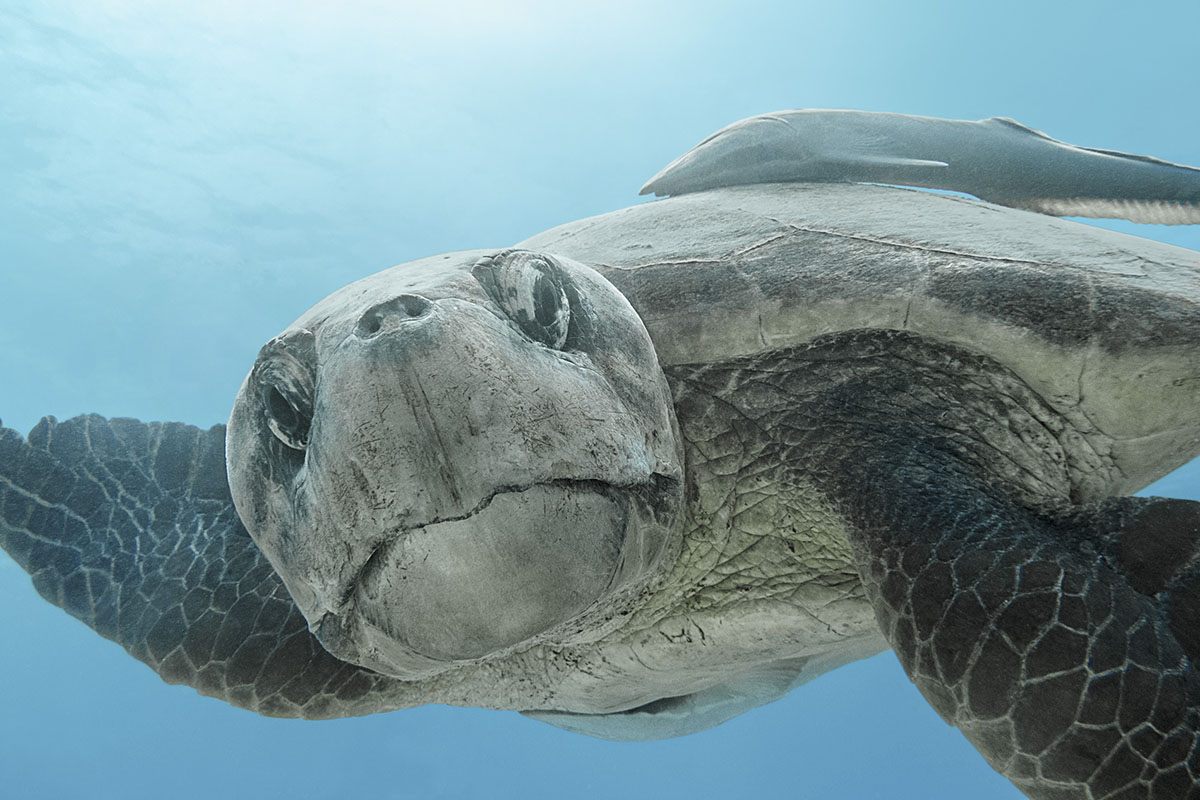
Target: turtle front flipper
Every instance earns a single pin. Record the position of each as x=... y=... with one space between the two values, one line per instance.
x=1061 y=638
x=1057 y=629
x=129 y=527
x=1069 y=666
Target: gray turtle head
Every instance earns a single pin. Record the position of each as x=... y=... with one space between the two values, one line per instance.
x=459 y=456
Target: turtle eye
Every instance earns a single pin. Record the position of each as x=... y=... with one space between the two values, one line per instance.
x=284 y=374
x=531 y=290
x=287 y=418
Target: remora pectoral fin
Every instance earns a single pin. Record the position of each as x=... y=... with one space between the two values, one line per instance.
x=997 y=160
x=895 y=161
x=686 y=714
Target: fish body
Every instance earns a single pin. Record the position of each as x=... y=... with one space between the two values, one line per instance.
x=997 y=160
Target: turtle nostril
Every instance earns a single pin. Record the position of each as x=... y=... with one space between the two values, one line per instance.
x=413 y=304
x=399 y=308
x=369 y=324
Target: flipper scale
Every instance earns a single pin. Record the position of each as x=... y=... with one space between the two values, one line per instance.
x=129 y=527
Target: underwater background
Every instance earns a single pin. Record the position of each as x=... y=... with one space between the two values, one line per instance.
x=180 y=180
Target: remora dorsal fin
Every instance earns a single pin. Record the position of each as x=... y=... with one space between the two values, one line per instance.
x=998 y=160
x=1012 y=123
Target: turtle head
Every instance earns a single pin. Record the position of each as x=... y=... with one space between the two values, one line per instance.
x=458 y=457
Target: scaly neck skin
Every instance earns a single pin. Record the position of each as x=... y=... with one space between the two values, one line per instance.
x=769 y=457
x=764 y=448
x=756 y=531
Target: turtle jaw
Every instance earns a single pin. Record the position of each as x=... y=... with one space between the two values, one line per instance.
x=551 y=563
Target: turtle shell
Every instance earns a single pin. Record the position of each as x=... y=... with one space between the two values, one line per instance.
x=1104 y=326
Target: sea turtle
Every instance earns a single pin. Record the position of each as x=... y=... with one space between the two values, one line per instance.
x=645 y=471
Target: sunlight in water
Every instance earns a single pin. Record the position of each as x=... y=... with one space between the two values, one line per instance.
x=327 y=25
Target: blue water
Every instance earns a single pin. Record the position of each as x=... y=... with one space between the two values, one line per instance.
x=178 y=181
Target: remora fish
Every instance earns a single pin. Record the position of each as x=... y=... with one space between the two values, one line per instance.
x=997 y=160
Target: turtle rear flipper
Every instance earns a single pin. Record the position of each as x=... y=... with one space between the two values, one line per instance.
x=130 y=528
